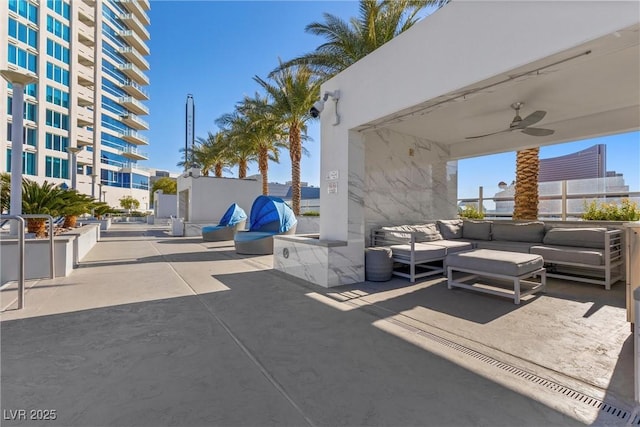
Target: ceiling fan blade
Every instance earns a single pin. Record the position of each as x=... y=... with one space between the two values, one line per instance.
x=488 y=134
x=538 y=131
x=531 y=119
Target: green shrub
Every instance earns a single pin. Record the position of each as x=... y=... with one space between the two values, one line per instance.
x=311 y=213
x=625 y=211
x=470 y=212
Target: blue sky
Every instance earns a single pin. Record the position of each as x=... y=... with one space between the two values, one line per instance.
x=212 y=49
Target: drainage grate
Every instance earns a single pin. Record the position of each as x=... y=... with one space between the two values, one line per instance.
x=636 y=419
x=621 y=414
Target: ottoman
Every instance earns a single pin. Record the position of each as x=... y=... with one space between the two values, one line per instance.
x=378 y=264
x=513 y=267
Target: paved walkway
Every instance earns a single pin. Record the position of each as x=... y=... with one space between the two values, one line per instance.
x=153 y=330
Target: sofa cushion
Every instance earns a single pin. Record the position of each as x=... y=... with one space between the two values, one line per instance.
x=422 y=252
x=398 y=232
x=504 y=245
x=496 y=262
x=453 y=245
x=450 y=228
x=426 y=233
x=578 y=237
x=577 y=255
x=476 y=230
x=519 y=232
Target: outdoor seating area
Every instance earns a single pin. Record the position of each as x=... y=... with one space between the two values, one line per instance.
x=584 y=254
x=270 y=216
x=233 y=220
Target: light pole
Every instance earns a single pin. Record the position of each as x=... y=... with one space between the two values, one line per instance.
x=18 y=82
x=73 y=151
x=100 y=192
x=104 y=196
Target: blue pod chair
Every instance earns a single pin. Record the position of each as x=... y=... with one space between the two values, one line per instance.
x=269 y=217
x=233 y=220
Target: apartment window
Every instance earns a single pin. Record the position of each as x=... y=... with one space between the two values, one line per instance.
x=57 y=74
x=112 y=106
x=24 y=9
x=56 y=142
x=57 y=28
x=60 y=7
x=57 y=97
x=113 y=159
x=139 y=181
x=30 y=135
x=57 y=120
x=114 y=142
x=23 y=33
x=28 y=162
x=30 y=90
x=56 y=50
x=109 y=122
x=22 y=58
x=55 y=167
x=29 y=110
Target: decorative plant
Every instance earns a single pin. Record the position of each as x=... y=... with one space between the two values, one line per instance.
x=470 y=212
x=45 y=198
x=311 y=213
x=101 y=208
x=5 y=192
x=625 y=211
x=75 y=204
x=128 y=203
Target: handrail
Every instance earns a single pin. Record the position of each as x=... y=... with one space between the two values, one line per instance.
x=20 y=256
x=52 y=270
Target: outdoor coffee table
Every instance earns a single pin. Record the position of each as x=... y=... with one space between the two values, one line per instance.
x=487 y=263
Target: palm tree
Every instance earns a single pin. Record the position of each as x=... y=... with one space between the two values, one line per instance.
x=526 y=192
x=347 y=42
x=75 y=204
x=292 y=92
x=208 y=153
x=5 y=192
x=45 y=198
x=253 y=123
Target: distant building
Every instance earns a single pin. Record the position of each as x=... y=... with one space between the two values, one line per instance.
x=588 y=163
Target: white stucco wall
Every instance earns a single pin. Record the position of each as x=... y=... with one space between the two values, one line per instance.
x=165 y=205
x=207 y=198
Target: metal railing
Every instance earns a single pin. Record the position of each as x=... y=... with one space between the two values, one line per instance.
x=52 y=272
x=564 y=197
x=20 y=256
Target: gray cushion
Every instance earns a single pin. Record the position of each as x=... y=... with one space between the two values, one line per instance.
x=426 y=233
x=476 y=230
x=504 y=245
x=453 y=245
x=521 y=232
x=396 y=232
x=579 y=237
x=423 y=252
x=553 y=254
x=496 y=262
x=450 y=228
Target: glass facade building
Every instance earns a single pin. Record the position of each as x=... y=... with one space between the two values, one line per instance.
x=89 y=60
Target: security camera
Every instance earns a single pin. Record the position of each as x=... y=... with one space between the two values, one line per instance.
x=317 y=108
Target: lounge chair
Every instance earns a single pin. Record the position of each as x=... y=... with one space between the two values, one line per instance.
x=269 y=217
x=234 y=219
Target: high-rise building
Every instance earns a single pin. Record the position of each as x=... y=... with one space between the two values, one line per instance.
x=86 y=106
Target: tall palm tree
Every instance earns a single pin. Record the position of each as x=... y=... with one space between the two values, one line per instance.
x=292 y=92
x=347 y=42
x=526 y=192
x=253 y=123
x=209 y=153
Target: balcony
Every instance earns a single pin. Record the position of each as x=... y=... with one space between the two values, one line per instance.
x=134 y=121
x=84 y=157
x=85 y=34
x=135 y=90
x=134 y=154
x=84 y=137
x=133 y=105
x=85 y=75
x=133 y=23
x=134 y=137
x=134 y=56
x=85 y=96
x=86 y=14
x=134 y=73
x=85 y=55
x=137 y=8
x=132 y=38
x=84 y=116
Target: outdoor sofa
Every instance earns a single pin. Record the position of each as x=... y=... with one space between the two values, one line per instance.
x=585 y=254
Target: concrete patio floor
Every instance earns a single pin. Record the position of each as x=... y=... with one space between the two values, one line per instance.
x=153 y=330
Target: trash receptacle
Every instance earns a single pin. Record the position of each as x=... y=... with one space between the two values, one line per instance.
x=177 y=227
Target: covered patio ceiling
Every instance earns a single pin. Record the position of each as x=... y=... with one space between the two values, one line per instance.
x=590 y=90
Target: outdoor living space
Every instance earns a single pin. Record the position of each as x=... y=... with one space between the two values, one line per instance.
x=148 y=331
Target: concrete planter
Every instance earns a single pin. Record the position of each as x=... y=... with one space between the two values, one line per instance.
x=308 y=224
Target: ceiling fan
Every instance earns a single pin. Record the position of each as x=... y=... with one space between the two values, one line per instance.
x=523 y=125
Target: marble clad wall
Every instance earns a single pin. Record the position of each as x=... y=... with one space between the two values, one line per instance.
x=403 y=186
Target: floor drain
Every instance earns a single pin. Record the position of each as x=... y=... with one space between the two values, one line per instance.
x=619 y=413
